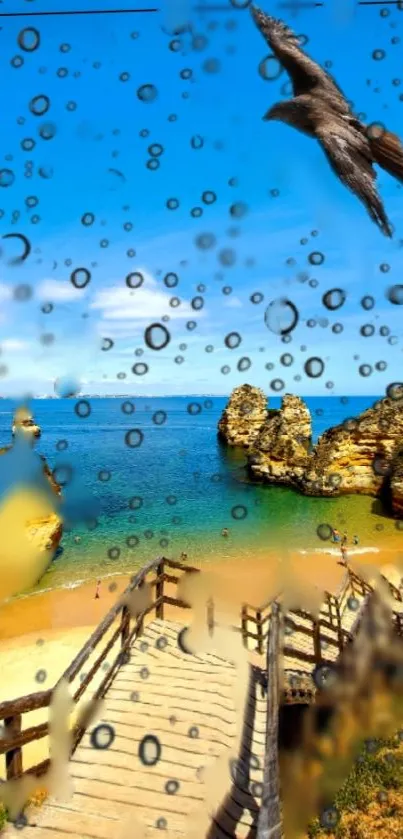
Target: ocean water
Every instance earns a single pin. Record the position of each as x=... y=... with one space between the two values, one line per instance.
x=177 y=487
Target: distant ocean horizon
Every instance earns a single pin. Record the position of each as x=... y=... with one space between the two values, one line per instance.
x=154 y=479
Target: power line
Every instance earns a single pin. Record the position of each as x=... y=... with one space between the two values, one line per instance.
x=78 y=12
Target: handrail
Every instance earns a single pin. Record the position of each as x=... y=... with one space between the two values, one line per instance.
x=270 y=823
x=11 y=711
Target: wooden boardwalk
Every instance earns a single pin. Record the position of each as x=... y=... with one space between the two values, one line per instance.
x=169 y=715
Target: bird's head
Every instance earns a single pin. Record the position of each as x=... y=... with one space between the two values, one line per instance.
x=277 y=112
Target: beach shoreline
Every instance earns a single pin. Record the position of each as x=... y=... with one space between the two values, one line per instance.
x=35 y=619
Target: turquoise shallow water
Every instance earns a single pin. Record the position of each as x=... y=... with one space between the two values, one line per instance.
x=176 y=490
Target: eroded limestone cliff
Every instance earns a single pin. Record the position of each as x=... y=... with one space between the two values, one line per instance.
x=363 y=454
x=280 y=451
x=357 y=456
x=396 y=485
x=244 y=416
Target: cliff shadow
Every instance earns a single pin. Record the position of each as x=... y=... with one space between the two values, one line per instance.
x=241 y=797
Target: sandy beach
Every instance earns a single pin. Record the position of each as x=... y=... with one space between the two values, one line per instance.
x=47 y=629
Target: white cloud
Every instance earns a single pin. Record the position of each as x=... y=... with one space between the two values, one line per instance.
x=14 y=345
x=233 y=303
x=5 y=292
x=120 y=303
x=58 y=291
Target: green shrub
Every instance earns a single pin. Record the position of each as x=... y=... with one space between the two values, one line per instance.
x=375 y=770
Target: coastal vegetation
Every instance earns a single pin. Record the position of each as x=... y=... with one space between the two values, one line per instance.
x=370 y=802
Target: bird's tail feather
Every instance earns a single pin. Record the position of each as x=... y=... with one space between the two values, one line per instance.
x=388 y=152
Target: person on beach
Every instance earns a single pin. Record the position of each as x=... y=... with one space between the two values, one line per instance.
x=344 y=555
x=355 y=540
x=335 y=535
x=183 y=556
x=344 y=539
x=97 y=590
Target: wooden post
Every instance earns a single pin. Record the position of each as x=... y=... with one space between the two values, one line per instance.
x=317 y=647
x=12 y=727
x=159 y=591
x=259 y=629
x=210 y=616
x=270 y=823
x=244 y=625
x=340 y=636
x=140 y=619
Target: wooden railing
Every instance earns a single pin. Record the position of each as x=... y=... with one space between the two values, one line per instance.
x=123 y=628
x=351 y=585
x=120 y=628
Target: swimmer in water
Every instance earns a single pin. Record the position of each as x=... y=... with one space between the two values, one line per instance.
x=225 y=531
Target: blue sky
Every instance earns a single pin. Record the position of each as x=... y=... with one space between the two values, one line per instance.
x=96 y=117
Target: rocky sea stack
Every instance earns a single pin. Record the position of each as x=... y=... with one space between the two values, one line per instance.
x=363 y=454
x=243 y=417
x=47 y=531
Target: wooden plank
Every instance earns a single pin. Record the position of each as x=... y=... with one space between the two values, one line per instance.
x=51 y=818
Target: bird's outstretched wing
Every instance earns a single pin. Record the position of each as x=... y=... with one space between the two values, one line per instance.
x=349 y=155
x=305 y=74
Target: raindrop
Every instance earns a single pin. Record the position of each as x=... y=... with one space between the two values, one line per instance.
x=171 y=787
x=194 y=408
x=205 y=241
x=47 y=131
x=171 y=280
x=286 y=359
x=324 y=531
x=156 y=336
x=82 y=408
x=80 y=277
x=367 y=330
x=367 y=302
x=102 y=736
x=147 y=93
x=208 y=197
x=150 y=750
x=281 y=316
x=270 y=68
x=244 y=364
x=39 y=105
x=140 y=368
x=7 y=177
x=334 y=298
x=239 y=512
x=232 y=340
x=394 y=391
x=134 y=438
x=365 y=369
x=107 y=344
x=395 y=295
x=159 y=417
x=29 y=39
x=277 y=385
x=316 y=258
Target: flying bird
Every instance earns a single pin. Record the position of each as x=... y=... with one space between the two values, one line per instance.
x=320 y=110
